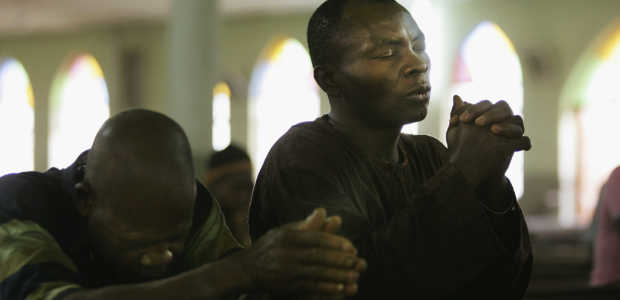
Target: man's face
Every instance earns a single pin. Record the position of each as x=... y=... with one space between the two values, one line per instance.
x=233 y=190
x=139 y=230
x=383 y=74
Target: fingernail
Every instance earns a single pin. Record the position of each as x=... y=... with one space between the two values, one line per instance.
x=316 y=211
x=481 y=121
x=495 y=129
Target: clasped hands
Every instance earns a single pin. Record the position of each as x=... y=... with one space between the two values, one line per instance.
x=482 y=138
x=306 y=259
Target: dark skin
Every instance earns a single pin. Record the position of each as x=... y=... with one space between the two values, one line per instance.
x=381 y=82
x=137 y=199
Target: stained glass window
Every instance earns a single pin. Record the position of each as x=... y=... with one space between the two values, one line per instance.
x=16 y=118
x=221 y=116
x=589 y=150
x=488 y=68
x=282 y=93
x=79 y=105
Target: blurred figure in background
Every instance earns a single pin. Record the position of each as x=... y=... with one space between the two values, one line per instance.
x=606 y=265
x=228 y=177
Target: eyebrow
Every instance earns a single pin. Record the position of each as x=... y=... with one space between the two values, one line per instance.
x=396 y=41
x=391 y=41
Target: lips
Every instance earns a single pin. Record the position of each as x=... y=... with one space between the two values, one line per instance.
x=420 y=94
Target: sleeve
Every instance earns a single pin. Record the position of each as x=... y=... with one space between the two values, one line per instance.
x=34 y=267
x=442 y=244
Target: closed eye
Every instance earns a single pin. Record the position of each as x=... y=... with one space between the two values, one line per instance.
x=385 y=53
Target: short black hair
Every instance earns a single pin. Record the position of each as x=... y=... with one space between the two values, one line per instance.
x=325 y=28
x=228 y=155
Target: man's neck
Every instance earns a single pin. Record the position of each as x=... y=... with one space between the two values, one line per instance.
x=376 y=142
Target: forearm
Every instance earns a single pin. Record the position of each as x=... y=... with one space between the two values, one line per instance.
x=437 y=231
x=213 y=281
x=496 y=194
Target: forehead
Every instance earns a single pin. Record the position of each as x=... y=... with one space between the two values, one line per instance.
x=369 y=24
x=145 y=207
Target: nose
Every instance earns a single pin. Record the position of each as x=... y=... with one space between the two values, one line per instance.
x=158 y=257
x=416 y=62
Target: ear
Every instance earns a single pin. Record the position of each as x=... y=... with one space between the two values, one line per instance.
x=84 y=203
x=325 y=77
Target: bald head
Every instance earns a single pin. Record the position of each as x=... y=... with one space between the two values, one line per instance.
x=139 y=146
x=138 y=194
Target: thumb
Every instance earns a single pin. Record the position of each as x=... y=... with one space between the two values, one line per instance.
x=314 y=221
x=332 y=224
x=518 y=144
x=458 y=105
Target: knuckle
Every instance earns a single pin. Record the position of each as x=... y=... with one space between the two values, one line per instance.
x=504 y=105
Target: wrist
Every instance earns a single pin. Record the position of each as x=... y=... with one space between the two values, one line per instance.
x=493 y=194
x=243 y=270
x=470 y=173
x=223 y=278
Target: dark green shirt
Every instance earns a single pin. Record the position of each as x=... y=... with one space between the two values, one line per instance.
x=41 y=253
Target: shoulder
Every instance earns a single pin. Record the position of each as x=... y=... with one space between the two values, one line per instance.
x=44 y=198
x=308 y=145
x=313 y=135
x=24 y=195
x=34 y=265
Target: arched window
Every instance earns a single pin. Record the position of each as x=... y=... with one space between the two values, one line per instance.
x=428 y=20
x=16 y=118
x=79 y=105
x=221 y=116
x=282 y=93
x=589 y=147
x=488 y=68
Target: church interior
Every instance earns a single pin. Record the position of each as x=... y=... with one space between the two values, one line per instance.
x=238 y=71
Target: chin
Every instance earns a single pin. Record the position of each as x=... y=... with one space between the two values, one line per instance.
x=416 y=116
